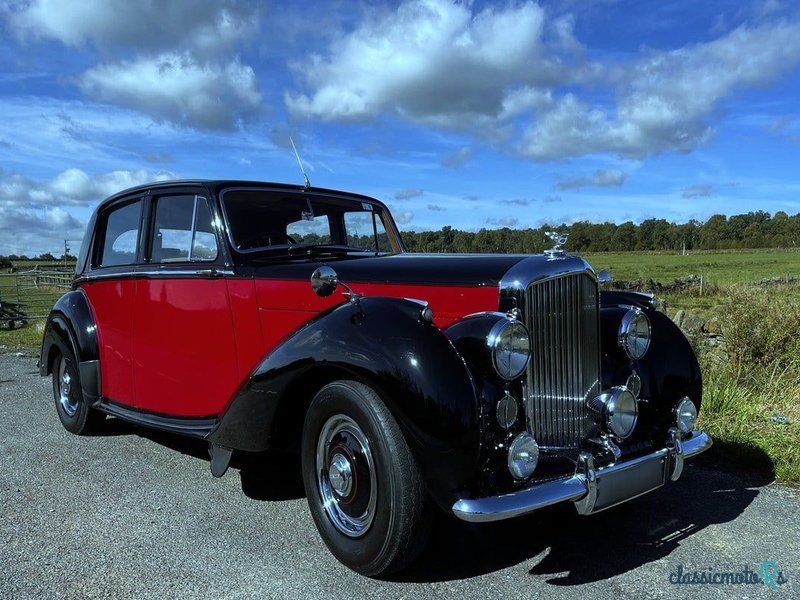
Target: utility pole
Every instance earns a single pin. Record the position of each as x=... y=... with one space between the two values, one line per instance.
x=66 y=250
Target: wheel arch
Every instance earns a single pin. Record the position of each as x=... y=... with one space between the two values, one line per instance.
x=385 y=344
x=72 y=323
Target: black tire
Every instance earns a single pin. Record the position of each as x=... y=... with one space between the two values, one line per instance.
x=396 y=532
x=76 y=416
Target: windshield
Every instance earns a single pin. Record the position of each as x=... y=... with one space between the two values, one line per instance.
x=261 y=219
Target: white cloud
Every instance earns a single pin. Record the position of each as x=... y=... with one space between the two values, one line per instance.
x=666 y=99
x=144 y=24
x=515 y=75
x=403 y=217
x=71 y=187
x=600 y=178
x=431 y=60
x=178 y=88
x=36 y=216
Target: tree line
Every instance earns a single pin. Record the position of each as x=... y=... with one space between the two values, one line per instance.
x=752 y=230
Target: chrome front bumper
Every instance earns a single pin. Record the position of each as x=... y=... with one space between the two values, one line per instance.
x=592 y=489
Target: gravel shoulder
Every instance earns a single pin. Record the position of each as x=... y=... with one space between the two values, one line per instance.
x=132 y=514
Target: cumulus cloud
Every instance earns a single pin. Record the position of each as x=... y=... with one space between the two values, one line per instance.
x=72 y=187
x=457 y=159
x=518 y=76
x=699 y=191
x=666 y=98
x=178 y=88
x=34 y=215
x=431 y=60
x=600 y=178
x=144 y=25
x=408 y=194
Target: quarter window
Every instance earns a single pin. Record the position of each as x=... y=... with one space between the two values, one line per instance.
x=122 y=235
x=184 y=230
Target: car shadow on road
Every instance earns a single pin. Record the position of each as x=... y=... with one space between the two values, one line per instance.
x=266 y=476
x=573 y=549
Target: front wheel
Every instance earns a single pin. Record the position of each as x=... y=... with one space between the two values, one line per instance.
x=76 y=416
x=363 y=486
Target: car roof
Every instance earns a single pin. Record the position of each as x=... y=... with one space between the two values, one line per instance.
x=215 y=185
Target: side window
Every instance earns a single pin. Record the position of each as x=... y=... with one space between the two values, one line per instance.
x=316 y=231
x=361 y=228
x=122 y=235
x=183 y=230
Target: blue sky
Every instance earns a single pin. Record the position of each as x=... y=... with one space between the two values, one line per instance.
x=469 y=114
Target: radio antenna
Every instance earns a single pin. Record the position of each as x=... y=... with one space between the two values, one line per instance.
x=300 y=163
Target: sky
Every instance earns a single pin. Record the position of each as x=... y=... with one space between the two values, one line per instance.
x=468 y=114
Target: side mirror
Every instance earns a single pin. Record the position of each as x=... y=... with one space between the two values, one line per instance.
x=324 y=281
x=604 y=277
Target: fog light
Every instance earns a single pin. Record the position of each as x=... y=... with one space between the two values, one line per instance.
x=616 y=411
x=523 y=455
x=685 y=415
x=507 y=411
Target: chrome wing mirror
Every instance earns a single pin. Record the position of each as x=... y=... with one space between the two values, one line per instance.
x=324 y=281
x=604 y=277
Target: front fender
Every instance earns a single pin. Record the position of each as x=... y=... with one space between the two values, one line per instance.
x=669 y=370
x=384 y=343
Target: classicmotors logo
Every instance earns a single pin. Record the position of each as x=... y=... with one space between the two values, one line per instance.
x=767 y=574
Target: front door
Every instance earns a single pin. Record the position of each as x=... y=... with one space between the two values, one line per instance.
x=184 y=347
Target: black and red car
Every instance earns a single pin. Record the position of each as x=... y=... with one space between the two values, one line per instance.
x=260 y=316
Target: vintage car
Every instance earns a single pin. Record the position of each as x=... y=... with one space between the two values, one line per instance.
x=261 y=317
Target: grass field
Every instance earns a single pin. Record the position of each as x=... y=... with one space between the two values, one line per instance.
x=716 y=268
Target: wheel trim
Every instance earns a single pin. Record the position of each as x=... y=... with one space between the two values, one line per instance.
x=345 y=475
x=63 y=389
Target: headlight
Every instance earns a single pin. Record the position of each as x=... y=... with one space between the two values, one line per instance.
x=510 y=345
x=616 y=411
x=634 y=333
x=685 y=415
x=523 y=456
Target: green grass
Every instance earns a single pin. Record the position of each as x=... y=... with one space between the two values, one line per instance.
x=26 y=339
x=716 y=268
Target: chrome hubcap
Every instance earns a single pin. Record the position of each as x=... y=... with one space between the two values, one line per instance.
x=340 y=474
x=64 y=388
x=346 y=476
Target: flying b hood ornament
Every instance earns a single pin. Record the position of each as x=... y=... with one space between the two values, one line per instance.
x=559 y=239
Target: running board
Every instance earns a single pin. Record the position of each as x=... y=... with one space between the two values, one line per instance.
x=192 y=427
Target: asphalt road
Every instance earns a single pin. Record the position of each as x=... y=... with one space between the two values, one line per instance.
x=132 y=514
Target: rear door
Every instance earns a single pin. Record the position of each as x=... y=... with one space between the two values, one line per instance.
x=184 y=346
x=110 y=285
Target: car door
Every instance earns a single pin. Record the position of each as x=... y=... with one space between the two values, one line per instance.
x=184 y=346
x=110 y=285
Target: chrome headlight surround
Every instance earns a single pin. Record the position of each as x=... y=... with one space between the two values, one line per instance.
x=685 y=415
x=510 y=346
x=634 y=333
x=616 y=411
x=523 y=456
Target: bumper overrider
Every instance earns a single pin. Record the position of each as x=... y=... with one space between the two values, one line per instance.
x=592 y=489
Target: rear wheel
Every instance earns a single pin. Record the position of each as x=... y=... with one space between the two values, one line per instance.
x=76 y=416
x=363 y=486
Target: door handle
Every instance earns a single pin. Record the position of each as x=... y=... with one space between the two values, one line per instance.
x=211 y=273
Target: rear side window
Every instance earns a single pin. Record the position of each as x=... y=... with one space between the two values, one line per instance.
x=122 y=235
x=184 y=230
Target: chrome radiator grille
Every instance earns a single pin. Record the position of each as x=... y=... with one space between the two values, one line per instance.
x=564 y=369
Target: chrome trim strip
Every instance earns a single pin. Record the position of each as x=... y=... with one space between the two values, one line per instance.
x=574 y=488
x=205 y=272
